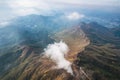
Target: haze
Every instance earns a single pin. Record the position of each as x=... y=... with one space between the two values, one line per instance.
x=12 y=8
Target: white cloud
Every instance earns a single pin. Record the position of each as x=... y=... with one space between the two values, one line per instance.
x=4 y=24
x=56 y=52
x=75 y=16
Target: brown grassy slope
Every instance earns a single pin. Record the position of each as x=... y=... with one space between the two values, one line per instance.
x=32 y=66
x=102 y=56
x=75 y=39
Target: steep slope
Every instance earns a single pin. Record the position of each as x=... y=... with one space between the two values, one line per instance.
x=99 y=33
x=75 y=38
x=102 y=57
x=32 y=66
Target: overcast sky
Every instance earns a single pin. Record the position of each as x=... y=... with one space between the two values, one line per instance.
x=12 y=8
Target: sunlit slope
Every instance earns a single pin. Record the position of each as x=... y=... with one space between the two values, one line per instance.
x=32 y=66
x=75 y=39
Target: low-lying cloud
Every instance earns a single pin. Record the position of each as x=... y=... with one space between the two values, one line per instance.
x=75 y=16
x=57 y=52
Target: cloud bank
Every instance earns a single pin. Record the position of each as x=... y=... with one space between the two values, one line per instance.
x=57 y=52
